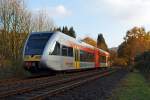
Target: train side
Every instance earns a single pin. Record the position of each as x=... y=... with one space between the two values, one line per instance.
x=56 y=51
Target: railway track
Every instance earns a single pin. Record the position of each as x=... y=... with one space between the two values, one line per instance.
x=8 y=83
x=4 y=81
x=43 y=87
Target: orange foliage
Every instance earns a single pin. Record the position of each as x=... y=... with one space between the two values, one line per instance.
x=90 y=41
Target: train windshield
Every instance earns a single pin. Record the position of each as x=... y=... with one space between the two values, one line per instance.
x=36 y=43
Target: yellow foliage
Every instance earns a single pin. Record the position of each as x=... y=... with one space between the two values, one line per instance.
x=90 y=41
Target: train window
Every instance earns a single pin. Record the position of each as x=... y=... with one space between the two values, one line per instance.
x=64 y=51
x=86 y=56
x=36 y=43
x=81 y=55
x=90 y=57
x=103 y=59
x=70 y=51
x=56 y=49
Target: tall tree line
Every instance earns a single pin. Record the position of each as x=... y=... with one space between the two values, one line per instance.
x=68 y=31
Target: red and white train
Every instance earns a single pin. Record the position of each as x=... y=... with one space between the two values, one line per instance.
x=55 y=51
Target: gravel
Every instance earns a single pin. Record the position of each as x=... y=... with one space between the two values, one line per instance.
x=100 y=89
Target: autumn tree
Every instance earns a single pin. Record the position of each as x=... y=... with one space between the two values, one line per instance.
x=15 y=23
x=136 y=41
x=99 y=44
x=90 y=41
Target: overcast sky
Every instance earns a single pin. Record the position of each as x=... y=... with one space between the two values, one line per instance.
x=90 y=17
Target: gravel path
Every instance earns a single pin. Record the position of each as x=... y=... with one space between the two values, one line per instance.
x=100 y=89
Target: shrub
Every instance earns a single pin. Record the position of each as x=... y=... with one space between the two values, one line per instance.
x=119 y=62
x=142 y=62
x=9 y=68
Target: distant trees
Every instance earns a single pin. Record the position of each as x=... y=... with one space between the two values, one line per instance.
x=115 y=60
x=68 y=31
x=101 y=43
x=136 y=41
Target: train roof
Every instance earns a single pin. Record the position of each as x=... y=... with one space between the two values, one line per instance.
x=71 y=39
x=81 y=42
x=41 y=32
x=75 y=40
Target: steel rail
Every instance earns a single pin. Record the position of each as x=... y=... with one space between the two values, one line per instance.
x=67 y=84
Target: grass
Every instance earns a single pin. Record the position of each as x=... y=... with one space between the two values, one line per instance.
x=132 y=87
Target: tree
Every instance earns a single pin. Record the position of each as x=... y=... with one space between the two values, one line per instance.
x=65 y=30
x=90 y=41
x=15 y=23
x=136 y=41
x=72 y=32
x=142 y=62
x=101 y=42
x=42 y=22
x=68 y=31
x=59 y=29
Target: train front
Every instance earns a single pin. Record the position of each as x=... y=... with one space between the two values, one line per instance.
x=33 y=51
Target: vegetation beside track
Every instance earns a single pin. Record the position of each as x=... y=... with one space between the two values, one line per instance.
x=142 y=62
x=132 y=87
x=13 y=71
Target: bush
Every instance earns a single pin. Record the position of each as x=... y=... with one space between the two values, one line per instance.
x=119 y=62
x=142 y=62
x=9 y=69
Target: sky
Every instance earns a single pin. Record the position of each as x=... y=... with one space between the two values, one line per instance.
x=112 y=18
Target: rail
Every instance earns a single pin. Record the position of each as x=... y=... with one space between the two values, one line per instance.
x=48 y=86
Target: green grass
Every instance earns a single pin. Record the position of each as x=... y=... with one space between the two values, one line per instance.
x=132 y=87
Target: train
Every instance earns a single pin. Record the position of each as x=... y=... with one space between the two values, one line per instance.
x=56 y=51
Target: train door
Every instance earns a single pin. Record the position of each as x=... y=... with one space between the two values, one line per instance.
x=76 y=58
x=55 y=57
x=97 y=58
